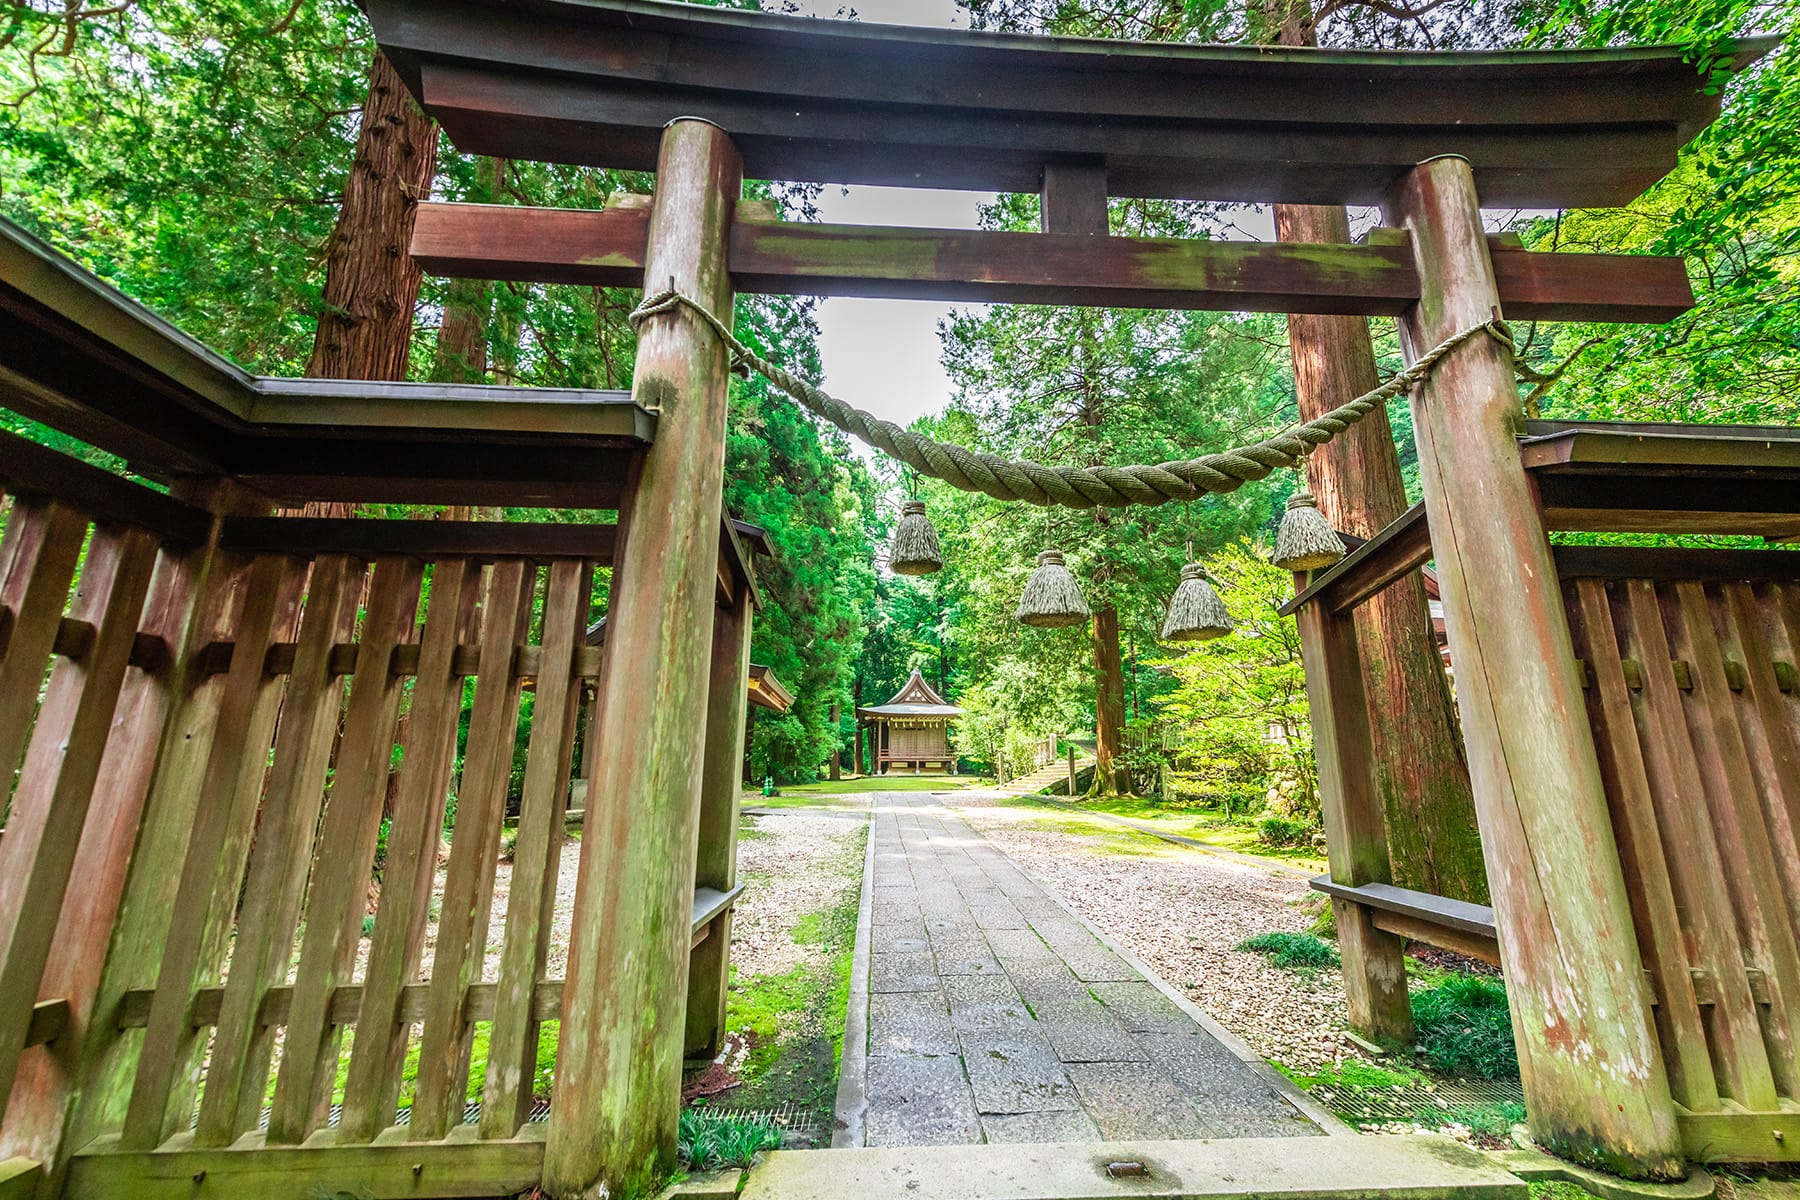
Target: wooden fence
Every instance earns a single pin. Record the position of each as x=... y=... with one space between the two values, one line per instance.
x=268 y=876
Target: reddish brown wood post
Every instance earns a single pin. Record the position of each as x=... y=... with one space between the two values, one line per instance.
x=709 y=966
x=618 y=1068
x=1355 y=826
x=1595 y=1084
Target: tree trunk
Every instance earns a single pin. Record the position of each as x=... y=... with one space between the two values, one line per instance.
x=1420 y=768
x=462 y=343
x=837 y=745
x=371 y=281
x=1109 y=704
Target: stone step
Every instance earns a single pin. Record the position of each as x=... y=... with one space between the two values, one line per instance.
x=1355 y=1167
x=1043 y=777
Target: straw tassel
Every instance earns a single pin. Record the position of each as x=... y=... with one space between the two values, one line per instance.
x=1306 y=541
x=1196 y=614
x=1052 y=598
x=915 y=550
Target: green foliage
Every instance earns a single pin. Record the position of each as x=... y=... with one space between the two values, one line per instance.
x=1355 y=1075
x=1240 y=701
x=1463 y=1027
x=709 y=1141
x=1486 y=1120
x=1280 y=831
x=1292 y=951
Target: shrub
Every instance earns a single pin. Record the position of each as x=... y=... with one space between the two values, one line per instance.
x=1463 y=1028
x=1292 y=951
x=1281 y=831
x=710 y=1141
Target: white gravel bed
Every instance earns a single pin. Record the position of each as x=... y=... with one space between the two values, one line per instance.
x=780 y=871
x=1183 y=912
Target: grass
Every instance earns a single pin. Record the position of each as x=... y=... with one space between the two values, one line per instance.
x=1292 y=951
x=795 y=1020
x=709 y=1141
x=1463 y=1028
x=1354 y=1075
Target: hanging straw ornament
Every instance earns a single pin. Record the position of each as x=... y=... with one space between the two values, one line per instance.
x=1052 y=598
x=1196 y=614
x=915 y=550
x=1306 y=541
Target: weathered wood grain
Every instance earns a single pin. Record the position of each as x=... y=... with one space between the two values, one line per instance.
x=1656 y=911
x=337 y=900
x=607 y=248
x=474 y=850
x=206 y=899
x=621 y=1032
x=512 y=1042
x=52 y=799
x=727 y=704
x=1355 y=826
x=282 y=855
x=1553 y=862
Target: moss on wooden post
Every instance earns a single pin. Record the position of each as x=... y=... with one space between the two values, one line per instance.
x=1595 y=1084
x=618 y=1068
x=727 y=700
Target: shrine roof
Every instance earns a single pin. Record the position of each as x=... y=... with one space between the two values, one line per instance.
x=593 y=82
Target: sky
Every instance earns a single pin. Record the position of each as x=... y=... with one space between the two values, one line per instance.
x=883 y=355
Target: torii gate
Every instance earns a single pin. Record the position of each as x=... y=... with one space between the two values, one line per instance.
x=705 y=96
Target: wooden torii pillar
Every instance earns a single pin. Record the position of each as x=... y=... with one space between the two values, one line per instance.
x=1595 y=1084
x=618 y=1070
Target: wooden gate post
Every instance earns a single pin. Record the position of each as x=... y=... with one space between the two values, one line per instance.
x=618 y=1069
x=1595 y=1085
x=709 y=968
x=1356 y=839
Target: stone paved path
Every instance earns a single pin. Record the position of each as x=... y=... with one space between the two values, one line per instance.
x=995 y=1015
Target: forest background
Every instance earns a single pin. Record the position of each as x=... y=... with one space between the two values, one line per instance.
x=247 y=169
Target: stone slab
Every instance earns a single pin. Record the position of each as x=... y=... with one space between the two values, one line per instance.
x=965 y=956
x=1015 y=1071
x=1134 y=1101
x=1084 y=1032
x=1019 y=944
x=1141 y=1008
x=916 y=1100
x=1390 y=1168
x=1070 y=1125
x=910 y=1023
x=985 y=1002
x=893 y=971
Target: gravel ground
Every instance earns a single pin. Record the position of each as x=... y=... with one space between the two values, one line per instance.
x=1183 y=911
x=778 y=860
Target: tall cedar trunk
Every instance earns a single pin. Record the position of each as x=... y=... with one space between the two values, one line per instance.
x=462 y=342
x=1420 y=768
x=1109 y=704
x=371 y=281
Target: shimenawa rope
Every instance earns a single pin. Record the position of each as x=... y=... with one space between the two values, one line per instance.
x=1075 y=487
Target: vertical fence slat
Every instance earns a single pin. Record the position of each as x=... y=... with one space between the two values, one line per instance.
x=50 y=807
x=1763 y=640
x=1751 y=878
x=42 y=544
x=512 y=1048
x=206 y=899
x=411 y=861
x=474 y=848
x=172 y=761
x=90 y=912
x=335 y=905
x=1739 y=1058
x=279 y=861
x=1656 y=913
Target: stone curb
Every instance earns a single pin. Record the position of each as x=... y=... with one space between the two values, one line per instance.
x=853 y=1066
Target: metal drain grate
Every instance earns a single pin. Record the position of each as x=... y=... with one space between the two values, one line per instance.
x=540 y=1112
x=1405 y=1103
x=798 y=1125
